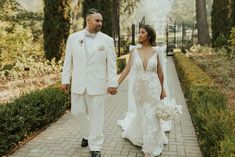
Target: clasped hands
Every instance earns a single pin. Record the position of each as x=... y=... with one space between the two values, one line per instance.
x=112 y=90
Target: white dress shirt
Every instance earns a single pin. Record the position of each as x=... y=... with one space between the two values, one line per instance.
x=89 y=41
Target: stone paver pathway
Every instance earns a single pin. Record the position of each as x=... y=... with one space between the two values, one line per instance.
x=62 y=139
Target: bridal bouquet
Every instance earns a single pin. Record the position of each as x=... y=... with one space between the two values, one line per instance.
x=168 y=109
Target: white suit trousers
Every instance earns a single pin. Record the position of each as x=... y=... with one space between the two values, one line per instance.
x=89 y=109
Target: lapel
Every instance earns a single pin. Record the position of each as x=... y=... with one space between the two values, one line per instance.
x=80 y=44
x=94 y=47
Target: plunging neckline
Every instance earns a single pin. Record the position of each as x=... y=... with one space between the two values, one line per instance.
x=142 y=62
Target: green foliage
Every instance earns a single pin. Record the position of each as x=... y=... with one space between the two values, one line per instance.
x=217 y=64
x=9 y=10
x=33 y=21
x=228 y=144
x=56 y=27
x=20 y=36
x=21 y=46
x=107 y=11
x=227 y=147
x=212 y=128
x=204 y=96
x=125 y=44
x=207 y=106
x=15 y=41
x=31 y=66
x=232 y=13
x=220 y=41
x=220 y=21
x=183 y=10
x=29 y=113
x=191 y=74
x=121 y=63
x=21 y=54
x=128 y=6
x=231 y=41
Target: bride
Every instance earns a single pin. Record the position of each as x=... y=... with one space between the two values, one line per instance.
x=146 y=89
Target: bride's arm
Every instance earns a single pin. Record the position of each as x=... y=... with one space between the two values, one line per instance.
x=161 y=77
x=126 y=71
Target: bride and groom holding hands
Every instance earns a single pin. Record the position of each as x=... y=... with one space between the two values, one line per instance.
x=91 y=60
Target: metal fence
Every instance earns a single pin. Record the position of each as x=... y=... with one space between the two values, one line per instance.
x=177 y=35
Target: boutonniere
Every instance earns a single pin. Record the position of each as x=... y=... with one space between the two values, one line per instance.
x=81 y=42
x=101 y=48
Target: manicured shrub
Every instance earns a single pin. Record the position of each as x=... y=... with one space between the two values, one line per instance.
x=227 y=147
x=29 y=113
x=231 y=41
x=214 y=123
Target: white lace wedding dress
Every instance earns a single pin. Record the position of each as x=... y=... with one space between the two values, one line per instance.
x=140 y=124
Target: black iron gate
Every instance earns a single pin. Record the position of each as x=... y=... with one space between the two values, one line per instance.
x=181 y=36
x=170 y=38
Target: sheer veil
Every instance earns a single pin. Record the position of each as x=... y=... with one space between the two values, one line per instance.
x=166 y=125
x=124 y=123
x=131 y=102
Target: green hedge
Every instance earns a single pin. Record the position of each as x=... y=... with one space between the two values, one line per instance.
x=121 y=63
x=213 y=122
x=29 y=113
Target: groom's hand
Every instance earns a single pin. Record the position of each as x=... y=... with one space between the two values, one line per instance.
x=112 y=90
x=65 y=87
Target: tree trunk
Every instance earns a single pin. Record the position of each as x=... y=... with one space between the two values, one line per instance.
x=202 y=24
x=116 y=25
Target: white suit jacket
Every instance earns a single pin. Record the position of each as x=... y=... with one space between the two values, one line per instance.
x=94 y=73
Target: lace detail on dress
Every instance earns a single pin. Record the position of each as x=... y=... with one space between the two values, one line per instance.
x=145 y=128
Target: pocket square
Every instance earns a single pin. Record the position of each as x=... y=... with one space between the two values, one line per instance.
x=100 y=48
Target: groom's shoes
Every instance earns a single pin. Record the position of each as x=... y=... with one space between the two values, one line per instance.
x=95 y=154
x=84 y=143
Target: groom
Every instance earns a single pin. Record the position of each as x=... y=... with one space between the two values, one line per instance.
x=91 y=58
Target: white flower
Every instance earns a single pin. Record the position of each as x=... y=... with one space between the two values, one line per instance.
x=168 y=109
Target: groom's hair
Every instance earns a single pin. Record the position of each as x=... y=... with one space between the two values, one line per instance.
x=92 y=11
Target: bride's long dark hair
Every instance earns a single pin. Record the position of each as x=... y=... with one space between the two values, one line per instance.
x=151 y=34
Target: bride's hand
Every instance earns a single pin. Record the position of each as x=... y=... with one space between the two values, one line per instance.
x=163 y=94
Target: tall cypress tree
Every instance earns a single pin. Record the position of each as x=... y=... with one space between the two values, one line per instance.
x=107 y=11
x=232 y=13
x=56 y=27
x=220 y=22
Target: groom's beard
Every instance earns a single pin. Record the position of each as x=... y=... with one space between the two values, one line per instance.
x=97 y=29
